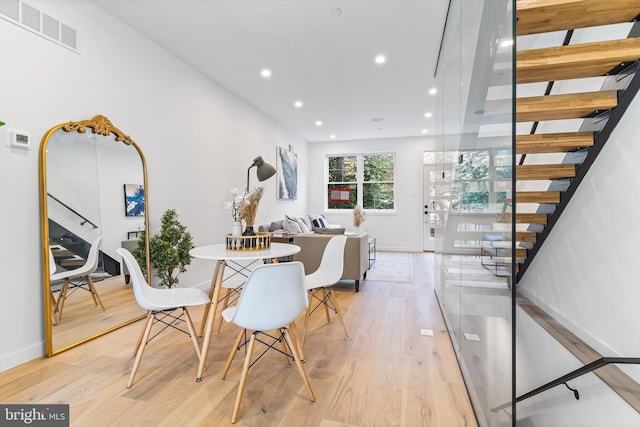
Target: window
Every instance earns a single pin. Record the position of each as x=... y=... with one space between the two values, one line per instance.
x=480 y=177
x=361 y=179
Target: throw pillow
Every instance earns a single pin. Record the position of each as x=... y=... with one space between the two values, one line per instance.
x=303 y=226
x=307 y=222
x=291 y=226
x=317 y=220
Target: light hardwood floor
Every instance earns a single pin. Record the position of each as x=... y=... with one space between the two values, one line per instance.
x=385 y=374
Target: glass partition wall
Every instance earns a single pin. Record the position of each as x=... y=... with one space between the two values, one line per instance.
x=472 y=182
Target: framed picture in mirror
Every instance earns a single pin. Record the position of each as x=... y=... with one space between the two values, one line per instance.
x=133 y=200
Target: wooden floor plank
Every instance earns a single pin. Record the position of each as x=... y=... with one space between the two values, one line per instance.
x=541 y=16
x=386 y=373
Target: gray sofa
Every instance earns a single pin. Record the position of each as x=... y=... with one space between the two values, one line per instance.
x=356 y=254
x=356 y=251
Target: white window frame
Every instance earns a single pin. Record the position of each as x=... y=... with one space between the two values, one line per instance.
x=359 y=181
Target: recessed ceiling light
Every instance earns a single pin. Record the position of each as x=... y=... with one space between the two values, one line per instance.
x=428 y=114
x=433 y=91
x=336 y=11
x=377 y=119
x=380 y=59
x=425 y=130
x=265 y=73
x=318 y=123
x=297 y=104
x=332 y=136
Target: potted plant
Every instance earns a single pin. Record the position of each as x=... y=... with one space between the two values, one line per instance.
x=168 y=250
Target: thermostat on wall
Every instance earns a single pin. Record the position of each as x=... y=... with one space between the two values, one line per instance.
x=19 y=139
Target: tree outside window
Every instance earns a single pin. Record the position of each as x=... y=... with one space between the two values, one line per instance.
x=368 y=180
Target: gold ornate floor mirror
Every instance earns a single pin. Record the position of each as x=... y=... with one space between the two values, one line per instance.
x=93 y=196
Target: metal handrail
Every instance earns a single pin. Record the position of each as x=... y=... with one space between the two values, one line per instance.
x=85 y=219
x=598 y=363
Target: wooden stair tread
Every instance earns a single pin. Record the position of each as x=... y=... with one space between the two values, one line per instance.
x=574 y=61
x=553 y=142
x=614 y=377
x=537 y=197
x=505 y=244
x=541 y=16
x=531 y=218
x=566 y=106
x=545 y=172
x=526 y=236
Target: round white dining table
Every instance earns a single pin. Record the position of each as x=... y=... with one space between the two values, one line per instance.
x=219 y=253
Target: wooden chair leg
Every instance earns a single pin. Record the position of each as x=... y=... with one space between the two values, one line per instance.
x=285 y=350
x=192 y=331
x=324 y=304
x=225 y=304
x=141 y=347
x=216 y=281
x=94 y=293
x=294 y=331
x=306 y=317
x=243 y=377
x=332 y=297
x=234 y=350
x=135 y=350
x=291 y=340
x=62 y=298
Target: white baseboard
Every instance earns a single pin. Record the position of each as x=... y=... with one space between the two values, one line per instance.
x=24 y=355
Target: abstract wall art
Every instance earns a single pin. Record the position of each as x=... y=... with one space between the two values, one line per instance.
x=287 y=173
x=133 y=200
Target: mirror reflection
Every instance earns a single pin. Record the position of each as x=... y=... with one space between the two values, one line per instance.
x=93 y=179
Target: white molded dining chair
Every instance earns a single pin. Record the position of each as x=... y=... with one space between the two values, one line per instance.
x=319 y=282
x=82 y=278
x=272 y=298
x=160 y=304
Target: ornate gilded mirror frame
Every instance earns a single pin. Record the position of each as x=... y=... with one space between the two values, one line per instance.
x=99 y=125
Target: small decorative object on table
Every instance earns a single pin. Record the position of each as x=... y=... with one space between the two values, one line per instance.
x=257 y=242
x=249 y=209
x=234 y=205
x=359 y=216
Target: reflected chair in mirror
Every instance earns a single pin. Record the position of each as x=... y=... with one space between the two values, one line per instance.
x=320 y=282
x=272 y=298
x=52 y=269
x=160 y=305
x=79 y=278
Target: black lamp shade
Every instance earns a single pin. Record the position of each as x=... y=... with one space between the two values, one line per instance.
x=264 y=170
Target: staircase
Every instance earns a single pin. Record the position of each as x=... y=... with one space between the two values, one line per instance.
x=543 y=188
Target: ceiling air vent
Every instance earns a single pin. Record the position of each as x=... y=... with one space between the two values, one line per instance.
x=29 y=18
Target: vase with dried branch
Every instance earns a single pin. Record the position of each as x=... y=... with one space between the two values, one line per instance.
x=249 y=209
x=359 y=216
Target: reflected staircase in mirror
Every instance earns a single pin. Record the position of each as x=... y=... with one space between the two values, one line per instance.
x=544 y=187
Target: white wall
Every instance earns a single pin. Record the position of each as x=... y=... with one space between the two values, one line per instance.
x=399 y=231
x=198 y=140
x=585 y=274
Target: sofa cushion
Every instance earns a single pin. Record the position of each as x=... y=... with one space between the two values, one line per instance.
x=325 y=230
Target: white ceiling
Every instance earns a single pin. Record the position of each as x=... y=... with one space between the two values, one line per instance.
x=316 y=55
